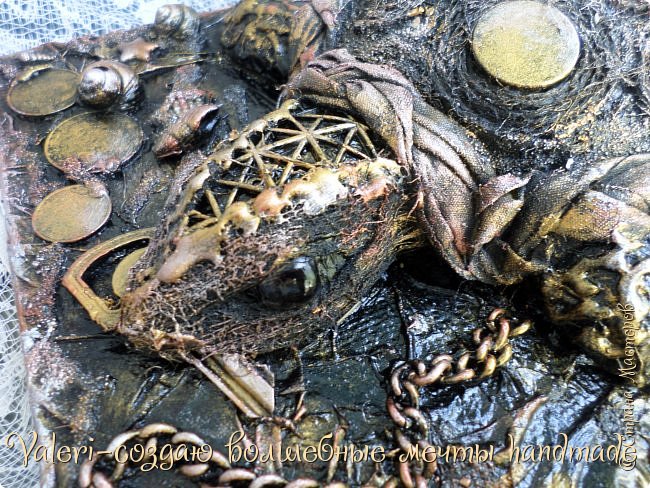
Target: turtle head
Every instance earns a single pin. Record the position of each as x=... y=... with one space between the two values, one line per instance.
x=280 y=230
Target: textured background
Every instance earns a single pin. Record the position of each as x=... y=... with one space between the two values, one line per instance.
x=25 y=24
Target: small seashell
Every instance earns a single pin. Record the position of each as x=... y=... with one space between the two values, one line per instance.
x=187 y=437
x=181 y=135
x=177 y=20
x=119 y=283
x=220 y=460
x=107 y=83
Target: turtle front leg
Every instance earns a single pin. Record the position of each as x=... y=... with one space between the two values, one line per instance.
x=591 y=227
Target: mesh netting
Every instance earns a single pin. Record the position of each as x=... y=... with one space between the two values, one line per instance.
x=14 y=411
x=29 y=23
x=25 y=24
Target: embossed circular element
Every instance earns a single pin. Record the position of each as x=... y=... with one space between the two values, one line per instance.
x=93 y=141
x=70 y=214
x=526 y=44
x=43 y=92
x=121 y=273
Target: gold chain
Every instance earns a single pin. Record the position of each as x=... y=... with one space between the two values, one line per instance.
x=491 y=349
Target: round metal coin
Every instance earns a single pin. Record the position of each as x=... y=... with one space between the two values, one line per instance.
x=97 y=142
x=526 y=44
x=121 y=273
x=43 y=92
x=70 y=214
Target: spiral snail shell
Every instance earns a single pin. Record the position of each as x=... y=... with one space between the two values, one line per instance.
x=177 y=20
x=107 y=83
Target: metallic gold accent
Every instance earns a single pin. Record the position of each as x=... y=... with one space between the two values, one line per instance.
x=136 y=50
x=239 y=381
x=43 y=91
x=98 y=309
x=280 y=160
x=526 y=44
x=71 y=213
x=93 y=142
x=121 y=273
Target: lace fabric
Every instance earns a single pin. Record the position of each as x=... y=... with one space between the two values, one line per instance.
x=23 y=25
x=26 y=24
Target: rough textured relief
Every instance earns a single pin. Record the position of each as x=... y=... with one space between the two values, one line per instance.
x=336 y=242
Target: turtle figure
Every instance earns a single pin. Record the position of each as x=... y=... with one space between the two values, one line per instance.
x=403 y=167
x=278 y=232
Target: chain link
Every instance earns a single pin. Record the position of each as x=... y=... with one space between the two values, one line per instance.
x=155 y=435
x=491 y=349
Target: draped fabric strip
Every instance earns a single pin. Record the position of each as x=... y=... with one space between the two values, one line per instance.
x=450 y=169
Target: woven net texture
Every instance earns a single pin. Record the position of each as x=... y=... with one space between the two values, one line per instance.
x=25 y=24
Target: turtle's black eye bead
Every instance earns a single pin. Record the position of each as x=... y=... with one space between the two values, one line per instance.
x=294 y=283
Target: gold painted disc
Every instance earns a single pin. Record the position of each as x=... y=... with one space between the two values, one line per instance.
x=70 y=214
x=526 y=44
x=45 y=92
x=121 y=273
x=100 y=142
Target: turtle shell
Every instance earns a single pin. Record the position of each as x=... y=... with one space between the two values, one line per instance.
x=296 y=186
